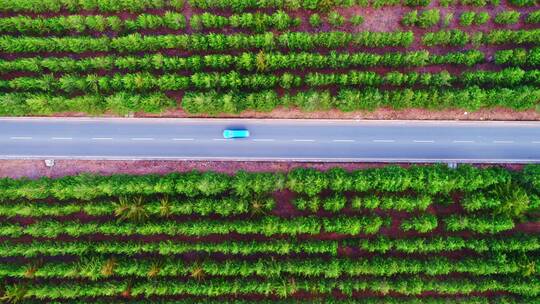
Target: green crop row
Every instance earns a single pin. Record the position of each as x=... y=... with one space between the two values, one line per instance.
x=138 y=208
x=240 y=5
x=533 y=17
x=212 y=103
x=423 y=179
x=337 y=202
x=461 y=38
x=80 y=24
x=199 y=42
x=423 y=223
x=132 y=248
x=480 y=223
x=257 y=22
x=190 y=184
x=347 y=100
x=49 y=6
x=267 y=225
x=518 y=57
x=267 y=41
x=412 y=285
x=147 y=82
x=386 y=299
x=95 y=268
x=261 y=62
x=17 y=104
x=426 y=245
x=518 y=243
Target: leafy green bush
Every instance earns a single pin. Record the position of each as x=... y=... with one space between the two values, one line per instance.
x=315 y=20
x=336 y=19
x=446 y=38
x=467 y=18
x=423 y=224
x=424 y=19
x=533 y=17
x=507 y=17
x=524 y=2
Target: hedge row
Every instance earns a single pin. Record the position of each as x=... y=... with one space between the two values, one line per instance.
x=267 y=41
x=267 y=225
x=523 y=243
x=413 y=285
x=147 y=82
x=125 y=208
x=199 y=42
x=80 y=24
x=471 y=99
x=111 y=6
x=422 y=179
x=92 y=268
x=262 y=62
x=386 y=299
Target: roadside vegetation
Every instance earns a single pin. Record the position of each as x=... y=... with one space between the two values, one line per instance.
x=423 y=234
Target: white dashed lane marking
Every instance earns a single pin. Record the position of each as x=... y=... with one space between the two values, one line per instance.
x=20 y=138
x=142 y=138
x=384 y=140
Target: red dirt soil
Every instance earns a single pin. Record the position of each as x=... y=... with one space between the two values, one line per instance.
x=37 y=168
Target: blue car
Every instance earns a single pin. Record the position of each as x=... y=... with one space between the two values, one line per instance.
x=235 y=133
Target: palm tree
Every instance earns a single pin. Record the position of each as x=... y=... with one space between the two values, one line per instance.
x=15 y=293
x=134 y=211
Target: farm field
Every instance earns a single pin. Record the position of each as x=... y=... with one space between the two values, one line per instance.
x=421 y=234
x=313 y=58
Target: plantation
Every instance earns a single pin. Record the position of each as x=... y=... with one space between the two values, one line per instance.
x=202 y=57
x=422 y=234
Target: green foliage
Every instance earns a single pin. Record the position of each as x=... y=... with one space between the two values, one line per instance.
x=477 y=3
x=481 y=18
x=446 y=38
x=533 y=17
x=417 y=2
x=467 y=18
x=524 y=2
x=518 y=57
x=471 y=99
x=241 y=5
x=507 y=17
x=446 y=3
x=244 y=62
x=268 y=226
x=257 y=22
x=423 y=223
x=424 y=19
x=356 y=20
x=73 y=6
x=315 y=20
x=480 y=224
x=335 y=19
x=381 y=3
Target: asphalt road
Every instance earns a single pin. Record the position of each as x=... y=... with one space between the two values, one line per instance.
x=302 y=140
